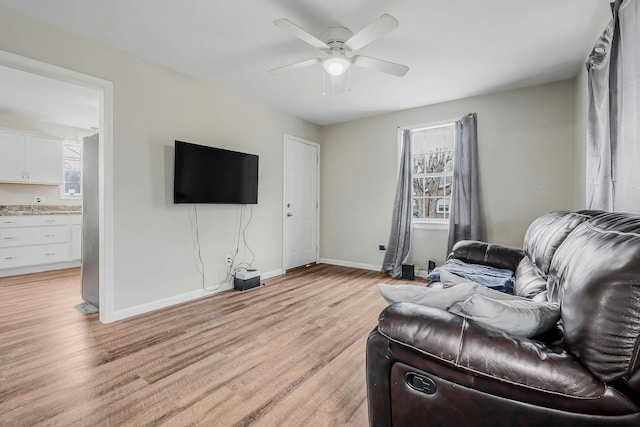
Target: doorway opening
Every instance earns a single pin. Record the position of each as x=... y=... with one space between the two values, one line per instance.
x=105 y=162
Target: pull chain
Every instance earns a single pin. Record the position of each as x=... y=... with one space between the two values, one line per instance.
x=324 y=84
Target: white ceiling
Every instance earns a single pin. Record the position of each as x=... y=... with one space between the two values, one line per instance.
x=40 y=98
x=454 y=48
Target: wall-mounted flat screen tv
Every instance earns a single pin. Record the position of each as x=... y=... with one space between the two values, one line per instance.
x=205 y=174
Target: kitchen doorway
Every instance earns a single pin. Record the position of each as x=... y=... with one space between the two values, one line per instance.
x=104 y=211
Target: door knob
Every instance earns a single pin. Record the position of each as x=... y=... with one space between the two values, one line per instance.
x=289 y=214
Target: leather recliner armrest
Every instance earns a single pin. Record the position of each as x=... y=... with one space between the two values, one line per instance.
x=476 y=252
x=468 y=346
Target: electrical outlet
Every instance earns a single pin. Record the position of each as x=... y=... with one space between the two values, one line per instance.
x=228 y=260
x=38 y=200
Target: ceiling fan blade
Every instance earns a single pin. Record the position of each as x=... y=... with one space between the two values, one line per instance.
x=300 y=33
x=295 y=66
x=380 y=65
x=382 y=25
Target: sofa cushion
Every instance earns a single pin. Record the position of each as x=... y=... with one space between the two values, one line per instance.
x=545 y=235
x=529 y=281
x=453 y=340
x=475 y=252
x=595 y=276
x=520 y=317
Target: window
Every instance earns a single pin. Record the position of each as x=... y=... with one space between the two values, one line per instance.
x=432 y=167
x=72 y=169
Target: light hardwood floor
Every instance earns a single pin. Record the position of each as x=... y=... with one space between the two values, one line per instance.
x=290 y=353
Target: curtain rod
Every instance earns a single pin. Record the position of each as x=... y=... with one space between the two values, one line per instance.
x=434 y=125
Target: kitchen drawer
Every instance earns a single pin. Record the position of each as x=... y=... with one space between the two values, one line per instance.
x=76 y=219
x=33 y=220
x=21 y=236
x=33 y=255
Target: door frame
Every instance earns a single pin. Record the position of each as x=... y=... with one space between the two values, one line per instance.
x=105 y=193
x=285 y=138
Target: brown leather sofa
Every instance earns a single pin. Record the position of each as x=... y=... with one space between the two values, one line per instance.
x=429 y=367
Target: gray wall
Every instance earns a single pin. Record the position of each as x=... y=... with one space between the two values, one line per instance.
x=526 y=149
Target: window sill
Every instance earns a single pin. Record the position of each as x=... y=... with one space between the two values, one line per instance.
x=65 y=197
x=427 y=225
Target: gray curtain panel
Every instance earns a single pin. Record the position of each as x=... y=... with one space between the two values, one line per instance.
x=466 y=221
x=613 y=131
x=399 y=247
x=599 y=122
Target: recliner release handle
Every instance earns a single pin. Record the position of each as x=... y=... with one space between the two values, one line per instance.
x=420 y=383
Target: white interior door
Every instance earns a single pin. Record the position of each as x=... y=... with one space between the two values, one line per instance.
x=301 y=204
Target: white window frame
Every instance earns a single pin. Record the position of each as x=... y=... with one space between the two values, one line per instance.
x=426 y=223
x=63 y=195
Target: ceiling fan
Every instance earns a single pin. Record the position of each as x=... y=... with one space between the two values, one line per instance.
x=336 y=44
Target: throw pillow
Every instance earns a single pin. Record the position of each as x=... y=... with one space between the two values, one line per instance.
x=434 y=275
x=438 y=298
x=541 y=297
x=449 y=279
x=521 y=317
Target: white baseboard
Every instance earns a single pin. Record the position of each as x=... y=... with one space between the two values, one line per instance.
x=165 y=302
x=350 y=264
x=178 y=299
x=39 y=268
x=270 y=274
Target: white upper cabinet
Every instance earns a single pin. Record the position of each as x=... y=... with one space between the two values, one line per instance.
x=30 y=159
x=44 y=160
x=12 y=157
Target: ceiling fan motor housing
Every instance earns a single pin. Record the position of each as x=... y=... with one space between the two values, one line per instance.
x=335 y=37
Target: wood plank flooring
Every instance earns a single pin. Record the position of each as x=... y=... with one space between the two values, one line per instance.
x=290 y=353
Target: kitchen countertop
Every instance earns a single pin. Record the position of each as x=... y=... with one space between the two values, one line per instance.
x=18 y=210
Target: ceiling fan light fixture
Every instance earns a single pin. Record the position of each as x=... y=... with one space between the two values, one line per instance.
x=336 y=65
x=334 y=44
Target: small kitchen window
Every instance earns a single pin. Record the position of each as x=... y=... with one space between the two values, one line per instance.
x=72 y=170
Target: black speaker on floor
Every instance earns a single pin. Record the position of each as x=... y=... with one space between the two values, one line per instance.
x=246 y=284
x=408 y=272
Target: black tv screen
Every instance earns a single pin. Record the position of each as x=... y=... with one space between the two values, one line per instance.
x=212 y=175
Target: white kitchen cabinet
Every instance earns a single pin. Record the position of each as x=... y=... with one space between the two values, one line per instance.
x=23 y=256
x=44 y=160
x=33 y=220
x=12 y=157
x=30 y=159
x=39 y=240
x=24 y=236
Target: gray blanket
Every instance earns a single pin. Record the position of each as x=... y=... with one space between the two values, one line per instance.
x=499 y=279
